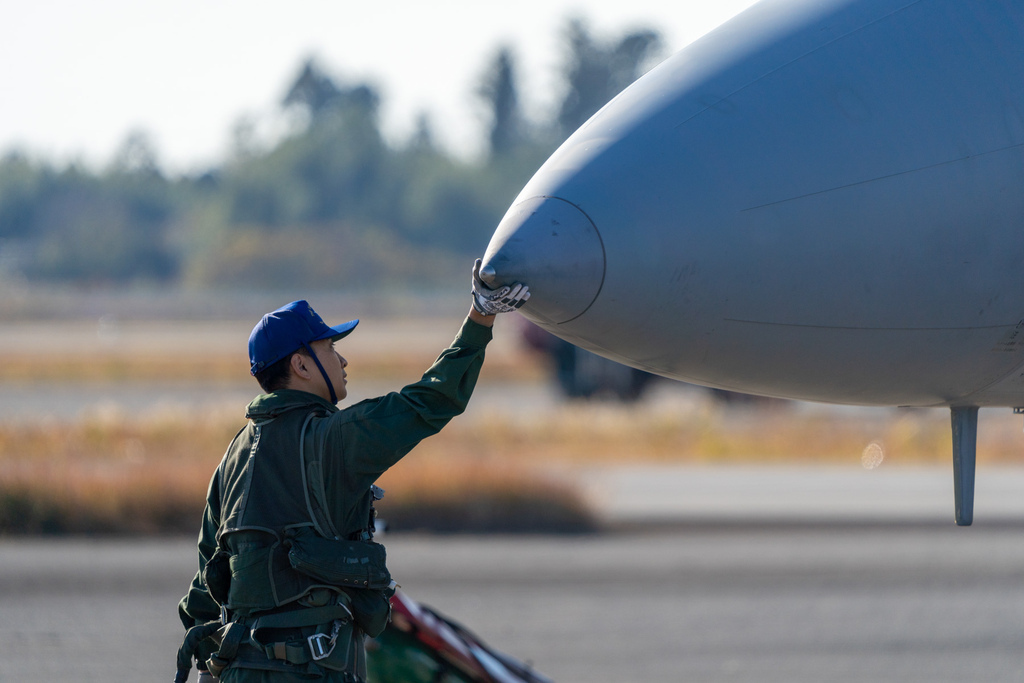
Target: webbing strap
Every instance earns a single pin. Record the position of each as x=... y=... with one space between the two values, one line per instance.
x=317 y=648
x=293 y=653
x=323 y=523
x=232 y=637
x=309 y=616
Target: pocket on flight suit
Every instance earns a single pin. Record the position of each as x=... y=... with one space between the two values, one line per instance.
x=250 y=579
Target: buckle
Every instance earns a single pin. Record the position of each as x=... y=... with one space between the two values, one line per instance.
x=321 y=646
x=316 y=642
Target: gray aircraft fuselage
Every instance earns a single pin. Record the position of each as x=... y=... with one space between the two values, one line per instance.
x=819 y=200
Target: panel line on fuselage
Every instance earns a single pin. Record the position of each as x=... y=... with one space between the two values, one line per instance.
x=794 y=61
x=878 y=329
x=885 y=177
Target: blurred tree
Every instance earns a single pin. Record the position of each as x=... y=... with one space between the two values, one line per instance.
x=499 y=92
x=110 y=230
x=244 y=142
x=75 y=225
x=332 y=168
x=136 y=155
x=595 y=73
x=22 y=194
x=422 y=140
x=330 y=200
x=313 y=90
x=317 y=95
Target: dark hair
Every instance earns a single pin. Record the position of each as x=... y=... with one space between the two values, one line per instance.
x=274 y=377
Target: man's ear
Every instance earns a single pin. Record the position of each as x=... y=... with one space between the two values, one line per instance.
x=299 y=364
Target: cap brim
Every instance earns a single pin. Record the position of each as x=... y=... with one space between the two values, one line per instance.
x=339 y=331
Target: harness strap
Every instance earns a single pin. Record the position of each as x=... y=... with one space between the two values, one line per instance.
x=307 y=616
x=321 y=648
x=293 y=653
x=319 y=514
x=238 y=633
x=232 y=636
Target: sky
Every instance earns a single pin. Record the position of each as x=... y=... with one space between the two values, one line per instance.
x=79 y=77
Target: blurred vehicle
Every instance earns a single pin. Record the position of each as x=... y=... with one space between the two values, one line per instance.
x=582 y=374
x=422 y=646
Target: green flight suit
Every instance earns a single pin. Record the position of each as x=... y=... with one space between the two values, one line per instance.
x=259 y=492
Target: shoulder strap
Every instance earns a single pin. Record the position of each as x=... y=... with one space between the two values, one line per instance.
x=313 y=486
x=248 y=472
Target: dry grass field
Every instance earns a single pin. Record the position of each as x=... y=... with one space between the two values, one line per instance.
x=115 y=472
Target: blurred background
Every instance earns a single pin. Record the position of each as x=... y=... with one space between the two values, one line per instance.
x=362 y=147
x=170 y=173
x=167 y=176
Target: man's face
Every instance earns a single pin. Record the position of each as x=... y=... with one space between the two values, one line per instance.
x=334 y=366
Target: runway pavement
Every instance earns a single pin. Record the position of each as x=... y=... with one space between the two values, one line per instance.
x=673 y=495
x=737 y=599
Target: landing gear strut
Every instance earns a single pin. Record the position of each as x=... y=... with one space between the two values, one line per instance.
x=965 y=447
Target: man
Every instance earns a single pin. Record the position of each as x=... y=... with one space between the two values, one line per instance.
x=289 y=577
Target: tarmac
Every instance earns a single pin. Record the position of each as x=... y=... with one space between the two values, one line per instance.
x=796 y=575
x=640 y=495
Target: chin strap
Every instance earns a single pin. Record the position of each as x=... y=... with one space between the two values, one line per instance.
x=330 y=387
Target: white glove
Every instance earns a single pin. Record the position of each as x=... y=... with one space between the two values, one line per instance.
x=207 y=677
x=504 y=299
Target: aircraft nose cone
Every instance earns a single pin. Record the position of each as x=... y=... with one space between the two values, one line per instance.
x=552 y=246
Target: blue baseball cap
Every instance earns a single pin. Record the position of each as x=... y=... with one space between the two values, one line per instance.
x=288 y=329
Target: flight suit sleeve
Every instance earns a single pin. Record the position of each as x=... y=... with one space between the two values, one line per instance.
x=377 y=433
x=197 y=607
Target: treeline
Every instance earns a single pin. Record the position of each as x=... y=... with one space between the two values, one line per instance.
x=329 y=204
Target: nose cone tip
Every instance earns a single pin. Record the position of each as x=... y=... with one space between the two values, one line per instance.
x=553 y=247
x=488 y=274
